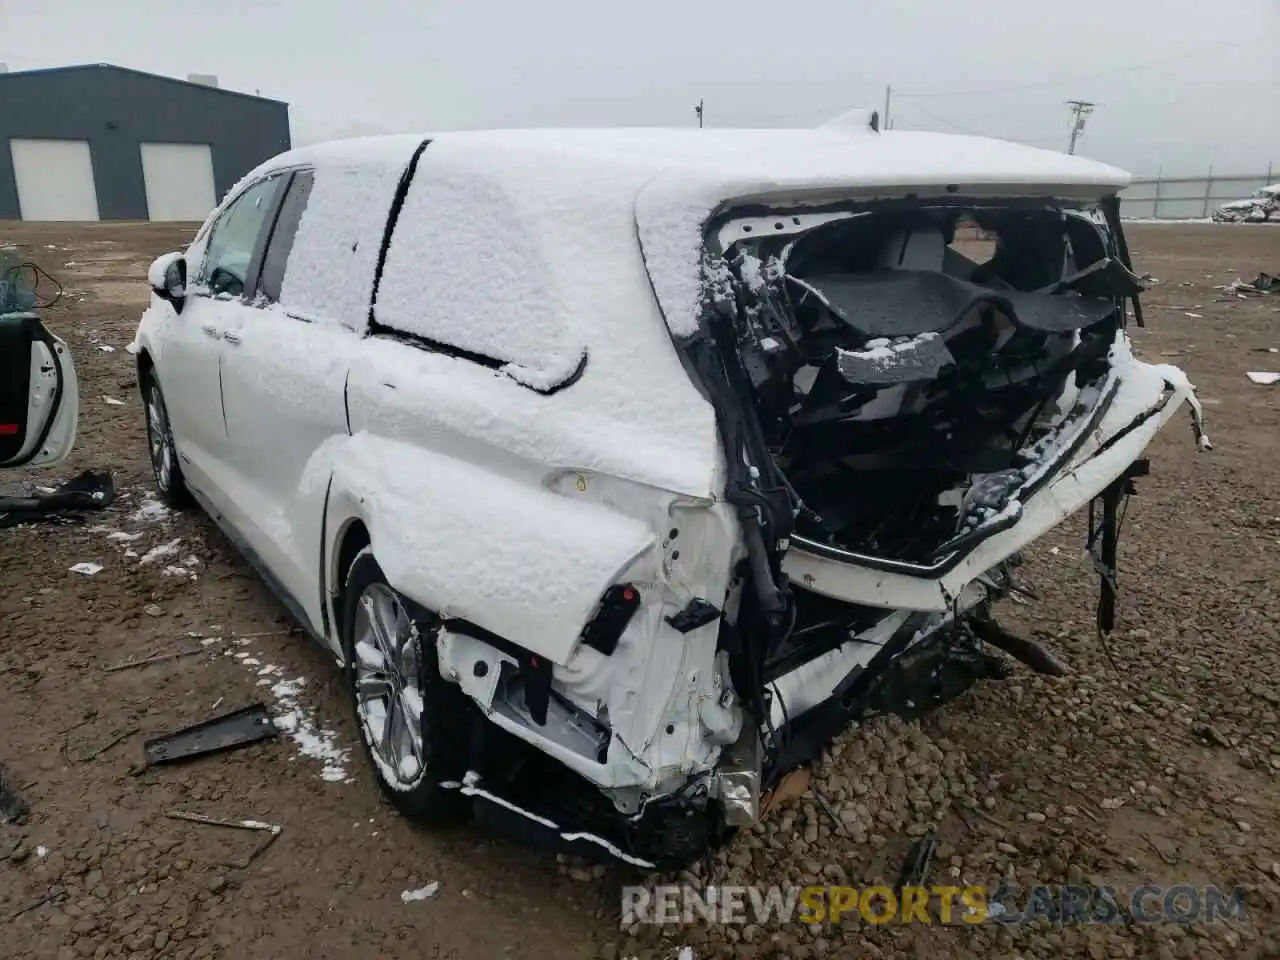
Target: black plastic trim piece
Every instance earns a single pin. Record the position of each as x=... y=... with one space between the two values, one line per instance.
x=238 y=728
x=618 y=605
x=698 y=613
x=480 y=359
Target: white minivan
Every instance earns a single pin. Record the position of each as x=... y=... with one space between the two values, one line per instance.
x=622 y=469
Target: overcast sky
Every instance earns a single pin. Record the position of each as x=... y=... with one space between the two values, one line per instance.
x=1180 y=84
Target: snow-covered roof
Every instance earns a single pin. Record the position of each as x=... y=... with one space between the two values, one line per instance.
x=673 y=179
x=809 y=158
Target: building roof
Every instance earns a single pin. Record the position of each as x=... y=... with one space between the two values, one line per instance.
x=85 y=67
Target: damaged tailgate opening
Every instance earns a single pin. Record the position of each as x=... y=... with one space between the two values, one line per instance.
x=915 y=366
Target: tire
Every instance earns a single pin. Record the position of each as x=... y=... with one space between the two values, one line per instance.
x=161 y=448
x=410 y=778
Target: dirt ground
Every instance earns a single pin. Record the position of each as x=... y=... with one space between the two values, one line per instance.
x=1164 y=769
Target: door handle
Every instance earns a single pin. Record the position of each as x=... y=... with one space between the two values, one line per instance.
x=210 y=330
x=231 y=336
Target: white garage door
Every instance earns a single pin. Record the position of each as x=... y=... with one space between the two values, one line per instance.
x=55 y=179
x=179 y=179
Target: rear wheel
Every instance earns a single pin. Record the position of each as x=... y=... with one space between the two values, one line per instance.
x=412 y=721
x=163 y=451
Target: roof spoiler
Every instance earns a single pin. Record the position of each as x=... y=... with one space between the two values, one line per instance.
x=857 y=119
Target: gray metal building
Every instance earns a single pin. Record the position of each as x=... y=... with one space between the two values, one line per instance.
x=101 y=142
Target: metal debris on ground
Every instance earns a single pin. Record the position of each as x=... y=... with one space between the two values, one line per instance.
x=1263 y=283
x=238 y=728
x=12 y=807
x=90 y=491
x=915 y=868
x=270 y=829
x=130 y=664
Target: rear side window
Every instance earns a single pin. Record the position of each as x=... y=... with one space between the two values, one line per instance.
x=465 y=274
x=234 y=238
x=277 y=256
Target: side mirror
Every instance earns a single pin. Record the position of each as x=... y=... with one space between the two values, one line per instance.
x=168 y=278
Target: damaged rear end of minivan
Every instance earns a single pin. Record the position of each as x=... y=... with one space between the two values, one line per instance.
x=910 y=391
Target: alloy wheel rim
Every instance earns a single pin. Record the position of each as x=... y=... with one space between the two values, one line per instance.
x=161 y=440
x=387 y=657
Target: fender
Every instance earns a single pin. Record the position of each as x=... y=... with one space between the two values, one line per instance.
x=516 y=559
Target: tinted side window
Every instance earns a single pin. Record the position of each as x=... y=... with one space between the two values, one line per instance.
x=234 y=237
x=277 y=256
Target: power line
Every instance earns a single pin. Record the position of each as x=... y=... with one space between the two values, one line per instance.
x=826 y=112
x=1040 y=85
x=1080 y=110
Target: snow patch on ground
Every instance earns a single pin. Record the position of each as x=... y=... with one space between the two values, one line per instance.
x=151 y=510
x=163 y=550
x=299 y=722
x=422 y=893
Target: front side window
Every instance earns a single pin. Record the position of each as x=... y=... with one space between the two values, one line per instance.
x=271 y=279
x=234 y=237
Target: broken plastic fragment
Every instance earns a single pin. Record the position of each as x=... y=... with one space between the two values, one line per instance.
x=422 y=893
x=922 y=357
x=88 y=569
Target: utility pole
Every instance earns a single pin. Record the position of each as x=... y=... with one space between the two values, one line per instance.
x=1080 y=110
x=698 y=111
x=884 y=120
